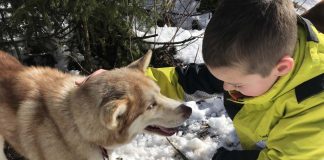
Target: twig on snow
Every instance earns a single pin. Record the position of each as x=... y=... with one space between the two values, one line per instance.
x=181 y=154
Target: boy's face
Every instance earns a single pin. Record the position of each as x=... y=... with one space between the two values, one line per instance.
x=247 y=84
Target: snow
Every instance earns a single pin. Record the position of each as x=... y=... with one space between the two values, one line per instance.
x=209 y=127
x=186 y=52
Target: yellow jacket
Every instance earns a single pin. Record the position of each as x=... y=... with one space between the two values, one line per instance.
x=283 y=126
x=279 y=123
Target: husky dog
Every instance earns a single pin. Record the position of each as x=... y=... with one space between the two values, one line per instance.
x=45 y=115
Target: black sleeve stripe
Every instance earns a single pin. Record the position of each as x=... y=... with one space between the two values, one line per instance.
x=309 y=88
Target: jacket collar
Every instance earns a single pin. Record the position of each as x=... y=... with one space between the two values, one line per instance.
x=311 y=35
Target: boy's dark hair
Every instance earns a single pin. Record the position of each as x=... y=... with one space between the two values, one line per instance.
x=253 y=34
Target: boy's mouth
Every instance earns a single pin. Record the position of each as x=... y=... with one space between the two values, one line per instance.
x=236 y=95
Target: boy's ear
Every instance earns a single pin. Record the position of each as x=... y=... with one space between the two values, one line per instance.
x=284 y=66
x=142 y=63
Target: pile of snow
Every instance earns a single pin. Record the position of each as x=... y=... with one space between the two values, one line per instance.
x=187 y=52
x=207 y=129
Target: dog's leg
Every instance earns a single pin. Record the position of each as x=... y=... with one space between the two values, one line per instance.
x=2 y=146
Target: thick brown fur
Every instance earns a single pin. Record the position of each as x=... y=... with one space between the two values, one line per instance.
x=316 y=16
x=44 y=115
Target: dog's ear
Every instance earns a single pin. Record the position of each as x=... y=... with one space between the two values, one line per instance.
x=142 y=63
x=111 y=113
x=81 y=81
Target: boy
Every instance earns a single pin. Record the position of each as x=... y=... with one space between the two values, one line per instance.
x=273 y=71
x=270 y=62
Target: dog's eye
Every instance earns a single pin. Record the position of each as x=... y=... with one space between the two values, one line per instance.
x=151 y=106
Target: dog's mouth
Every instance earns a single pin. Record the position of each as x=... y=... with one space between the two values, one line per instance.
x=161 y=130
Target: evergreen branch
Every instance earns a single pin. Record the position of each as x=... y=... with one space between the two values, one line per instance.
x=40 y=37
x=11 y=42
x=63 y=30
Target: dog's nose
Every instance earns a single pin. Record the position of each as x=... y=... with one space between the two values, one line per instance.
x=186 y=111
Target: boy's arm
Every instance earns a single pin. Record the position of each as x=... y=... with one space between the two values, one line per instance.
x=190 y=82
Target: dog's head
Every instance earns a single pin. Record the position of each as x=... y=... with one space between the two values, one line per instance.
x=114 y=106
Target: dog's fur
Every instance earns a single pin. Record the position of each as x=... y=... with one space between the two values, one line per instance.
x=44 y=115
x=316 y=16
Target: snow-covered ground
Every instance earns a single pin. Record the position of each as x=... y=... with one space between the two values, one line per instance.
x=208 y=128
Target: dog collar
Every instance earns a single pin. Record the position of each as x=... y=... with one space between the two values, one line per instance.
x=104 y=153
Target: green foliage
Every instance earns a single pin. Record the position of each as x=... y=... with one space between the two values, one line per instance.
x=101 y=30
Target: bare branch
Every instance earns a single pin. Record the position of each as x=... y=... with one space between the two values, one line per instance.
x=170 y=43
x=144 y=37
x=181 y=154
x=76 y=61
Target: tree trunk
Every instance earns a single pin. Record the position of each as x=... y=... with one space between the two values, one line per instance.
x=89 y=60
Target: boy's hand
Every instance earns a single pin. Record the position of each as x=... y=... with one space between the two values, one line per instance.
x=79 y=82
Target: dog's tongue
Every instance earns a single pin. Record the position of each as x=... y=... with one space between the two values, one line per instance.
x=162 y=130
x=169 y=130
